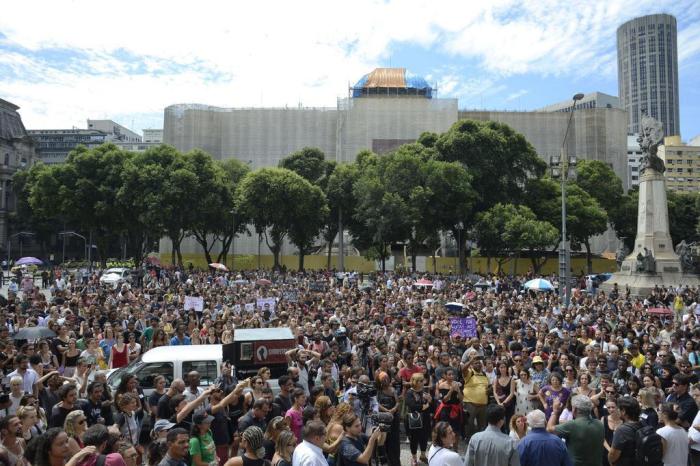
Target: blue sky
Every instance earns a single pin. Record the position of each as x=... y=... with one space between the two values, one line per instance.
x=78 y=60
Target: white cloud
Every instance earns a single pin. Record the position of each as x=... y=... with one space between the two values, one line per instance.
x=138 y=57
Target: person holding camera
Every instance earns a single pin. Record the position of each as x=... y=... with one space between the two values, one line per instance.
x=418 y=417
x=357 y=448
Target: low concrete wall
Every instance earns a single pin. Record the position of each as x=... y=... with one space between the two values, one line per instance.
x=444 y=265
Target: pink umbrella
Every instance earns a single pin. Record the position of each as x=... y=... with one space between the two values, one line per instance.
x=424 y=282
x=218 y=266
x=263 y=282
x=660 y=311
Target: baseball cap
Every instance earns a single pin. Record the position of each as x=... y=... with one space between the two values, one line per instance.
x=162 y=424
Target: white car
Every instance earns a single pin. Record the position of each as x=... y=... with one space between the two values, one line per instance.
x=115 y=276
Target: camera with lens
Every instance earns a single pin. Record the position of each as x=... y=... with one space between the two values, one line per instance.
x=382 y=421
x=365 y=391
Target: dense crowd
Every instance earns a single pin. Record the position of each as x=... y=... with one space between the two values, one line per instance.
x=376 y=363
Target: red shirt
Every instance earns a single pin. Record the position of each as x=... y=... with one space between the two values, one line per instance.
x=405 y=372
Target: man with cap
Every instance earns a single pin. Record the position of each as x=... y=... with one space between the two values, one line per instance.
x=539 y=447
x=160 y=429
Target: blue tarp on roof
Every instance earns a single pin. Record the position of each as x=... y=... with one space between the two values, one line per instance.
x=392 y=81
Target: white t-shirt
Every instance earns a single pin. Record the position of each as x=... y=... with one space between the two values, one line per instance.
x=676 y=452
x=441 y=456
x=694 y=434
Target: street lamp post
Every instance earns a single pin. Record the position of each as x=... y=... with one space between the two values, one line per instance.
x=9 y=246
x=560 y=166
x=72 y=233
x=460 y=227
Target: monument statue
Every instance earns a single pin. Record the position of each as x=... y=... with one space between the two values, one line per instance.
x=646 y=262
x=651 y=135
x=653 y=262
x=686 y=256
x=622 y=252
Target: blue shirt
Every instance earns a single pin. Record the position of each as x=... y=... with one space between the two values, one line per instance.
x=175 y=341
x=540 y=448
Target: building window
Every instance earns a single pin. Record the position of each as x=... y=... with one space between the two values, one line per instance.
x=7 y=160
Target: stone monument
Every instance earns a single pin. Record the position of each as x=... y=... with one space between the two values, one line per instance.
x=653 y=261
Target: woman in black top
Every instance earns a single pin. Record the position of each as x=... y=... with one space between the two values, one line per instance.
x=389 y=403
x=418 y=403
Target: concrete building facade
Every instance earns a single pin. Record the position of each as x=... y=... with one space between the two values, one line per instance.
x=682 y=165
x=54 y=145
x=117 y=131
x=647 y=71
x=17 y=152
x=152 y=135
x=378 y=118
x=634 y=160
x=590 y=100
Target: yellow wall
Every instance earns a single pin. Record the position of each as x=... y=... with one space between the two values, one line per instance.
x=360 y=264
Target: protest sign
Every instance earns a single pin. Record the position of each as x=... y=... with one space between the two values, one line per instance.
x=464 y=326
x=194 y=302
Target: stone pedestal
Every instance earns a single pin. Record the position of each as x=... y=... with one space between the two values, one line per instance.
x=653 y=235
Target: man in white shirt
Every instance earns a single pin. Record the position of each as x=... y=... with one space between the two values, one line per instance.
x=309 y=452
x=29 y=375
x=694 y=430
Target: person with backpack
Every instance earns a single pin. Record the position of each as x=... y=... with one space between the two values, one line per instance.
x=674 y=438
x=633 y=443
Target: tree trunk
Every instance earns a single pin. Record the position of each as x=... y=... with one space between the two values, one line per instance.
x=434 y=263
x=301 y=259
x=589 y=256
x=328 y=259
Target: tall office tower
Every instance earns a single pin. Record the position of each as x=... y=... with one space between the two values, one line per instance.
x=647 y=71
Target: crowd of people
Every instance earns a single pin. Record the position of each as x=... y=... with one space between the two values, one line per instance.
x=377 y=363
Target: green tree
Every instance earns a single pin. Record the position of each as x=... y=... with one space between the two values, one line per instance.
x=507 y=230
x=276 y=200
x=624 y=217
x=499 y=159
x=600 y=181
x=43 y=224
x=83 y=192
x=341 y=201
x=584 y=218
x=683 y=215
x=234 y=223
x=311 y=164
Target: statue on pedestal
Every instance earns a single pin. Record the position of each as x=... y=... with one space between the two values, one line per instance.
x=646 y=262
x=621 y=254
x=686 y=256
x=651 y=135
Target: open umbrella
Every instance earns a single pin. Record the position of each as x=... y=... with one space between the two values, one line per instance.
x=538 y=284
x=218 y=266
x=263 y=282
x=28 y=261
x=34 y=333
x=240 y=281
x=423 y=283
x=454 y=307
x=660 y=311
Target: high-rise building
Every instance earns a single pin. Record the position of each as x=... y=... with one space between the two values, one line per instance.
x=647 y=71
x=634 y=160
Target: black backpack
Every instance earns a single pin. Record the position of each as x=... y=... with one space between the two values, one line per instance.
x=649 y=448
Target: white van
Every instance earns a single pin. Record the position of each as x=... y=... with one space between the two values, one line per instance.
x=173 y=362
